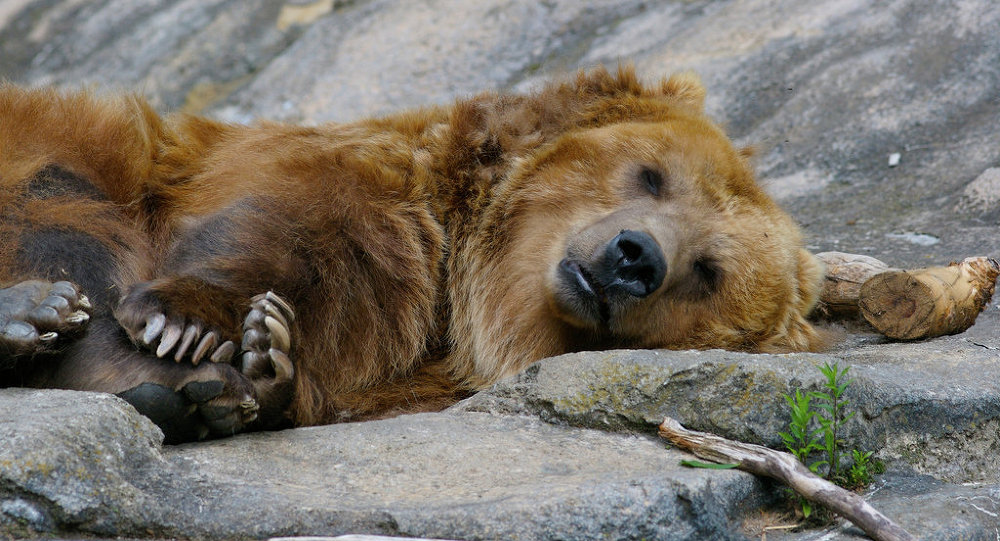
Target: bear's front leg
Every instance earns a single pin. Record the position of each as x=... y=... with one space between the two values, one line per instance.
x=215 y=300
x=191 y=401
x=265 y=360
x=182 y=318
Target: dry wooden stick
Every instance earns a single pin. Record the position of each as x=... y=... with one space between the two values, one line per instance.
x=784 y=467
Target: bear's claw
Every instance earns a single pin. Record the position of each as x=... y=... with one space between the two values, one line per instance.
x=267 y=337
x=224 y=353
x=35 y=314
x=149 y=325
x=218 y=397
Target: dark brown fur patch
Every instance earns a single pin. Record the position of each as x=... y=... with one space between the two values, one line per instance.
x=56 y=181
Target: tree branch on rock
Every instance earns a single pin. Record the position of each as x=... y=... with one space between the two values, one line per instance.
x=784 y=467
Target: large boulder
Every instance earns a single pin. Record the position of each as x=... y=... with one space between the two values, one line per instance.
x=89 y=462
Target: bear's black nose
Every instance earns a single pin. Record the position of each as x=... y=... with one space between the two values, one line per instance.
x=634 y=263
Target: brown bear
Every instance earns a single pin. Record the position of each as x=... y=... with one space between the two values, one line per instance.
x=225 y=277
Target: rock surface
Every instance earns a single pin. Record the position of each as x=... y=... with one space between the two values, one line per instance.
x=68 y=460
x=828 y=91
x=456 y=475
x=931 y=407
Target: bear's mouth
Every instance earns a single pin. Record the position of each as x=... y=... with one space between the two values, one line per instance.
x=591 y=300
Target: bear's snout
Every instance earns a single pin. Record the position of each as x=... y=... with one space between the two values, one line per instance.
x=592 y=291
x=633 y=264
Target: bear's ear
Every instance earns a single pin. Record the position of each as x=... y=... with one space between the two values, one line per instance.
x=600 y=83
x=686 y=88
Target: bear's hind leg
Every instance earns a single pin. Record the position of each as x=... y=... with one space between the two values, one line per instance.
x=187 y=402
x=192 y=403
x=56 y=230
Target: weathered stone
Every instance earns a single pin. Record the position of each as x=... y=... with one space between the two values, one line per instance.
x=930 y=509
x=352 y=538
x=185 y=54
x=417 y=53
x=450 y=475
x=932 y=406
x=982 y=195
x=69 y=460
x=460 y=476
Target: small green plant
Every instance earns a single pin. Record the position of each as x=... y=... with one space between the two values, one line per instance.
x=804 y=438
x=832 y=403
x=863 y=470
x=801 y=440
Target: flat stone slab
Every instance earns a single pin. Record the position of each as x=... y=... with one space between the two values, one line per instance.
x=927 y=508
x=457 y=475
x=932 y=406
x=564 y=451
x=937 y=511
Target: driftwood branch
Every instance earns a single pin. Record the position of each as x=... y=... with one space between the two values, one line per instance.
x=907 y=304
x=785 y=468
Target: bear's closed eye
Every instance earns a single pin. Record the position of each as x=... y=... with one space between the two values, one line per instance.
x=708 y=273
x=652 y=180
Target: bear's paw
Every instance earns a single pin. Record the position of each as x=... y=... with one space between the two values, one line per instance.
x=35 y=315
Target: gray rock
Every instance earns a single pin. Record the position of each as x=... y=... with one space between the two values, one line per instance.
x=351 y=538
x=460 y=476
x=185 y=54
x=930 y=509
x=486 y=469
x=69 y=460
x=385 y=55
x=933 y=407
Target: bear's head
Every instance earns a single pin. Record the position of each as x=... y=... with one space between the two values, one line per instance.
x=639 y=225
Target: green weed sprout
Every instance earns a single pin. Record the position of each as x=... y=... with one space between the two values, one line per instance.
x=802 y=439
x=831 y=419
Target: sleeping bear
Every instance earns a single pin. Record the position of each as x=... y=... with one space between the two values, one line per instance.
x=224 y=278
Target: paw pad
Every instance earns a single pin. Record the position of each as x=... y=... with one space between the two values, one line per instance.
x=35 y=314
x=216 y=402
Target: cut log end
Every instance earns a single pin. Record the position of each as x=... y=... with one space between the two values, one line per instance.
x=898 y=305
x=910 y=305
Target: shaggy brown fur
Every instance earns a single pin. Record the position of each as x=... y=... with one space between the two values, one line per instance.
x=426 y=254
